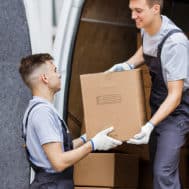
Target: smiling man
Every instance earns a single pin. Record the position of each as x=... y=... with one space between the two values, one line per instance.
x=165 y=50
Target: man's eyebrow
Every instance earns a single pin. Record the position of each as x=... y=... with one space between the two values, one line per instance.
x=136 y=8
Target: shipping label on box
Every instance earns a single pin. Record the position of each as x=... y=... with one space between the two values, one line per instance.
x=113 y=99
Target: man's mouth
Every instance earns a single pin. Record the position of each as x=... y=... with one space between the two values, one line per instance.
x=137 y=21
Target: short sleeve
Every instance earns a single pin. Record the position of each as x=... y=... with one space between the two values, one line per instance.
x=46 y=126
x=176 y=61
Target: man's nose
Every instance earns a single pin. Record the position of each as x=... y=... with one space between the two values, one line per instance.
x=60 y=72
x=133 y=15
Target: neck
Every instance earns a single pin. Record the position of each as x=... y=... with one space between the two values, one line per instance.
x=154 y=26
x=45 y=94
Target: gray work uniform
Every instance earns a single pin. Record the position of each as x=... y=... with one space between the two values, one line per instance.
x=42 y=125
x=169 y=62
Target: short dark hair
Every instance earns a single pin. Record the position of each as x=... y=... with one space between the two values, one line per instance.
x=30 y=63
x=152 y=2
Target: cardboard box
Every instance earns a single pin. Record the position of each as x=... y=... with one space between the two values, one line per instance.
x=107 y=170
x=113 y=99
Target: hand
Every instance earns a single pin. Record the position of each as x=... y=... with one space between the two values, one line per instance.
x=103 y=142
x=83 y=137
x=144 y=135
x=120 y=67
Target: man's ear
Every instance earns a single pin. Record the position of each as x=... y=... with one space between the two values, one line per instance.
x=44 y=78
x=157 y=9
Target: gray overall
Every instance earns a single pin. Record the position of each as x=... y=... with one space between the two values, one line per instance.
x=168 y=136
x=44 y=180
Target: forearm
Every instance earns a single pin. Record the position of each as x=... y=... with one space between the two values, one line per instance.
x=77 y=142
x=166 y=108
x=61 y=160
x=137 y=59
x=69 y=158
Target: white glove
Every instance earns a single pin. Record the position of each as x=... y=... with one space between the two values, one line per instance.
x=83 y=137
x=121 y=67
x=144 y=135
x=103 y=142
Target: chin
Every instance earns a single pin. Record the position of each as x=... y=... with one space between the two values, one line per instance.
x=139 y=26
x=57 y=89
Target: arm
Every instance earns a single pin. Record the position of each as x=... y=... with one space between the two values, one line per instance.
x=61 y=160
x=175 y=60
x=172 y=100
x=77 y=142
x=49 y=136
x=137 y=59
x=80 y=141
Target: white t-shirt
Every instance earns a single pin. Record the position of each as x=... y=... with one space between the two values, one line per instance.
x=174 y=54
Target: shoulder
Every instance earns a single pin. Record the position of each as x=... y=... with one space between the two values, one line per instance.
x=42 y=108
x=175 y=38
x=177 y=43
x=42 y=113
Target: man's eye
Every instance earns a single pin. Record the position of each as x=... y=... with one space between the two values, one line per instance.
x=138 y=10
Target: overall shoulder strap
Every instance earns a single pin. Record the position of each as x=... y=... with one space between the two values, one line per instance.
x=26 y=122
x=35 y=168
x=160 y=46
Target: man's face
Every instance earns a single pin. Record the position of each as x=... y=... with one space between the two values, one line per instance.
x=54 y=78
x=142 y=13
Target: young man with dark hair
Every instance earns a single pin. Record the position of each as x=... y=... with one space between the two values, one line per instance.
x=165 y=50
x=50 y=149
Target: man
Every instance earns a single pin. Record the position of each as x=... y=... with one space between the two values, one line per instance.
x=50 y=150
x=165 y=51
